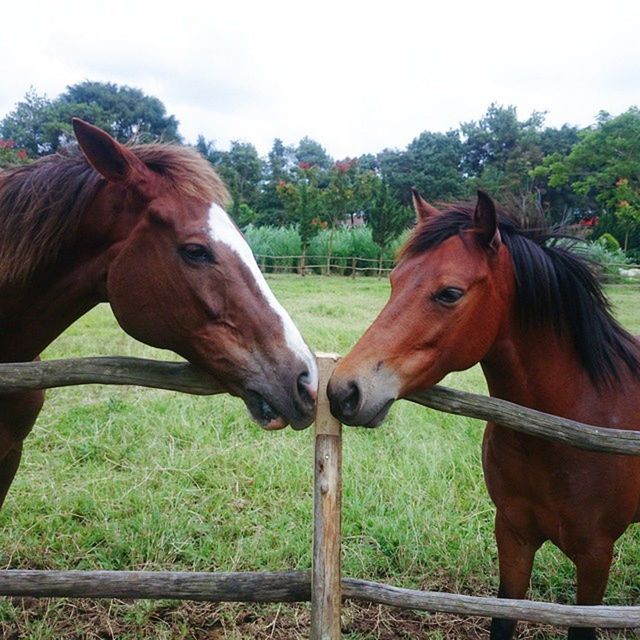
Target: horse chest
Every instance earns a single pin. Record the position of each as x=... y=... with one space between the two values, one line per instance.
x=554 y=485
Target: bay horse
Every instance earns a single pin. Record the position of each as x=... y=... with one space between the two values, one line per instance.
x=144 y=229
x=472 y=286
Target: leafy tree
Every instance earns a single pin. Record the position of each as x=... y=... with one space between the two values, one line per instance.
x=207 y=148
x=500 y=154
x=126 y=112
x=386 y=216
x=496 y=137
x=32 y=125
x=241 y=168
x=340 y=198
x=277 y=170
x=559 y=201
x=304 y=200
x=604 y=166
x=40 y=125
x=312 y=153
x=395 y=168
x=436 y=165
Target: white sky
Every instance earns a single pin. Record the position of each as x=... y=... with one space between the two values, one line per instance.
x=356 y=76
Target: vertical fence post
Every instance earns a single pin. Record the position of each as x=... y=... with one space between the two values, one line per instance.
x=326 y=595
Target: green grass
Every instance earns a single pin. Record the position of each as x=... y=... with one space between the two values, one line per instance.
x=129 y=478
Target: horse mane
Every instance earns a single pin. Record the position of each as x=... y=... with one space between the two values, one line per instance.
x=41 y=203
x=555 y=285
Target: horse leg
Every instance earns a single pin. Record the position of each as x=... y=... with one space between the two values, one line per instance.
x=515 y=559
x=18 y=413
x=592 y=569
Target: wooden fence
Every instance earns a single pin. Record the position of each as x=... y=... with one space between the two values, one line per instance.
x=325 y=265
x=324 y=586
x=354 y=266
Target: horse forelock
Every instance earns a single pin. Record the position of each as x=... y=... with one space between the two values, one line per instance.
x=555 y=286
x=41 y=203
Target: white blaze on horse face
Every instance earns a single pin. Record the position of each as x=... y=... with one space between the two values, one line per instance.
x=222 y=229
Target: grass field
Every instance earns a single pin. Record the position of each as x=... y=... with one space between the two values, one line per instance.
x=126 y=478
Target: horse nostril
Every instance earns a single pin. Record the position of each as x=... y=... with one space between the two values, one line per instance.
x=306 y=393
x=351 y=400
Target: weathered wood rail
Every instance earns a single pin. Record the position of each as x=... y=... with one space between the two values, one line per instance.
x=180 y=376
x=293 y=586
x=323 y=586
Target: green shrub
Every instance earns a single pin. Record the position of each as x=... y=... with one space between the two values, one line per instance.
x=609 y=242
x=608 y=261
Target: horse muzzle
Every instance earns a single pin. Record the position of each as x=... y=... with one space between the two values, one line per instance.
x=362 y=400
x=274 y=405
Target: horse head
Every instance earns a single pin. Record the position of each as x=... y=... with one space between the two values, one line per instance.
x=447 y=302
x=180 y=276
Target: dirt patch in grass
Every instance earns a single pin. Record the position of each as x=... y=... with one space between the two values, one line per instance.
x=26 y=618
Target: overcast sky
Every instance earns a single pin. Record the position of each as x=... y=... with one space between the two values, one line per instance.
x=356 y=76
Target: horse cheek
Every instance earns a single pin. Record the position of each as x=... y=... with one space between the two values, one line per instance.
x=142 y=303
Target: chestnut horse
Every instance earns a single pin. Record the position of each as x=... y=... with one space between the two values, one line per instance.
x=472 y=286
x=143 y=228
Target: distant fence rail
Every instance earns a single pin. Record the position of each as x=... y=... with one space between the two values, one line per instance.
x=355 y=265
x=325 y=265
x=323 y=586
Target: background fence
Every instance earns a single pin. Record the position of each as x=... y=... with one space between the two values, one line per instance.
x=323 y=586
x=353 y=266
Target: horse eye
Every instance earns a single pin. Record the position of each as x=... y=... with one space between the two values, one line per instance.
x=196 y=254
x=448 y=296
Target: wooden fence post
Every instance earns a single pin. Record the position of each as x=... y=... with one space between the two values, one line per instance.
x=326 y=594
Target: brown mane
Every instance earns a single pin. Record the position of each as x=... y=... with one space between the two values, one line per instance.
x=41 y=203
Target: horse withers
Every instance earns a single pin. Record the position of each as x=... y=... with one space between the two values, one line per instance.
x=143 y=228
x=472 y=286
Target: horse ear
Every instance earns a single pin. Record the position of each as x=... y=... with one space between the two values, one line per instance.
x=424 y=210
x=485 y=220
x=108 y=157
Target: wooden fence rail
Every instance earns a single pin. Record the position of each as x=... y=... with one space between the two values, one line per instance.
x=294 y=586
x=323 y=586
x=180 y=376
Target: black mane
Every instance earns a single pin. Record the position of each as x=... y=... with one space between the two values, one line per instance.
x=555 y=286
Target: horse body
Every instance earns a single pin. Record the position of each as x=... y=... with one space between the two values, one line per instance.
x=470 y=288
x=142 y=228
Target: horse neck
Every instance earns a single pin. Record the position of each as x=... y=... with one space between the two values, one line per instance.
x=536 y=368
x=532 y=366
x=33 y=314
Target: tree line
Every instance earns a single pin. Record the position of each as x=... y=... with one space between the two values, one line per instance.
x=588 y=176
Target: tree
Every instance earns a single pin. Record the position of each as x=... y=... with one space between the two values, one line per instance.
x=277 y=169
x=496 y=137
x=386 y=216
x=559 y=202
x=126 y=112
x=604 y=166
x=41 y=126
x=241 y=168
x=435 y=161
x=339 y=198
x=303 y=199
x=500 y=153
x=394 y=167
x=207 y=148
x=312 y=153
x=32 y=125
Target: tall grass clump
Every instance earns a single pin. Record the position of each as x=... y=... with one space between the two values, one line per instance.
x=274 y=247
